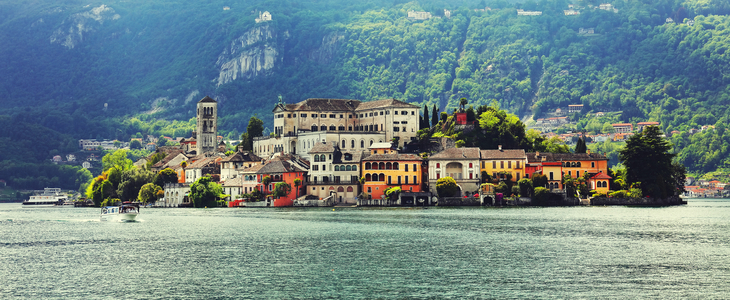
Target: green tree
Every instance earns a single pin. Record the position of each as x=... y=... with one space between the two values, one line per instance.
x=434 y=115
x=117 y=159
x=426 y=117
x=135 y=144
x=539 y=180
x=281 y=189
x=297 y=184
x=204 y=192
x=164 y=176
x=648 y=160
x=446 y=187
x=525 y=186
x=132 y=182
x=580 y=146
x=148 y=193
x=254 y=129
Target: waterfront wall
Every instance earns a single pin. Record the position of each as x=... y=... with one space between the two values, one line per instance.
x=675 y=200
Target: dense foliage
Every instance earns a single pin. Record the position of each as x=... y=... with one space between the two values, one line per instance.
x=140 y=73
x=649 y=163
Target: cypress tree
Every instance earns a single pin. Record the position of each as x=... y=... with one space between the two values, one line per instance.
x=580 y=146
x=434 y=116
x=425 y=119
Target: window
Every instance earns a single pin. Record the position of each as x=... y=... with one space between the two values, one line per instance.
x=483 y=165
x=337 y=168
x=438 y=165
x=390 y=179
x=314 y=115
x=387 y=112
x=494 y=164
x=406 y=177
x=343 y=144
x=518 y=164
x=395 y=112
x=349 y=128
x=354 y=168
x=406 y=168
x=315 y=168
x=501 y=164
x=352 y=144
x=323 y=115
x=415 y=181
x=349 y=116
x=509 y=164
x=593 y=164
x=370 y=190
x=404 y=122
x=398 y=179
x=413 y=113
x=471 y=165
x=289 y=115
x=396 y=129
x=316 y=158
x=303 y=115
x=471 y=175
x=323 y=128
x=362 y=144
x=414 y=168
x=332 y=116
x=342 y=116
x=346 y=168
x=438 y=175
x=404 y=113
x=381 y=113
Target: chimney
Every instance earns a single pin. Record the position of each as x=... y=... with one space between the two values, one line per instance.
x=500 y=147
x=537 y=153
x=588 y=151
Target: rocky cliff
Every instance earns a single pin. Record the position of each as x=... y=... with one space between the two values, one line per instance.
x=252 y=54
x=72 y=30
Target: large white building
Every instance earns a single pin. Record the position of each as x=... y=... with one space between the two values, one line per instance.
x=351 y=124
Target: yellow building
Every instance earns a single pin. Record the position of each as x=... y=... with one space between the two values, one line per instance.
x=498 y=163
x=385 y=168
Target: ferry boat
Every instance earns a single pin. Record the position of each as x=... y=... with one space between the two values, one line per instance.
x=49 y=197
x=127 y=212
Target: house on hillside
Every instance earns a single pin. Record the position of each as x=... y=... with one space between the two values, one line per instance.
x=263 y=17
x=623 y=127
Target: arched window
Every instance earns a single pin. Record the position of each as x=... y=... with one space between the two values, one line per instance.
x=347 y=168
x=349 y=128
x=381 y=166
x=349 y=189
x=322 y=158
x=314 y=127
x=352 y=144
x=316 y=158
x=343 y=144
x=382 y=177
x=340 y=190
x=396 y=166
x=371 y=142
x=341 y=128
x=367 y=177
x=332 y=127
x=388 y=166
x=578 y=164
x=367 y=166
x=354 y=168
x=362 y=144
x=323 y=128
x=337 y=168
x=572 y=164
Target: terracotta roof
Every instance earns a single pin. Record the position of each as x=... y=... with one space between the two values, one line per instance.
x=384 y=103
x=200 y=163
x=392 y=157
x=323 y=104
x=457 y=153
x=558 y=157
x=601 y=176
x=207 y=99
x=503 y=154
x=322 y=148
x=278 y=166
x=252 y=169
x=238 y=181
x=241 y=156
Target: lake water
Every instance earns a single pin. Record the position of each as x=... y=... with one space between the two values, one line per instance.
x=443 y=253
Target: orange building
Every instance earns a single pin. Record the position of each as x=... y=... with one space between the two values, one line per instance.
x=385 y=168
x=282 y=171
x=599 y=182
x=555 y=165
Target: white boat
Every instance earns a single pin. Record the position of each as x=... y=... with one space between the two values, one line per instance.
x=49 y=197
x=127 y=212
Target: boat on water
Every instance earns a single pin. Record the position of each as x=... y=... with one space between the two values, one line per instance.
x=49 y=197
x=127 y=212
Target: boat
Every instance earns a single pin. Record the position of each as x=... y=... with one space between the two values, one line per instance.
x=49 y=197
x=127 y=212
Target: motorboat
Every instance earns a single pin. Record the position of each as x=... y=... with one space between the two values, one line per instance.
x=127 y=212
x=49 y=197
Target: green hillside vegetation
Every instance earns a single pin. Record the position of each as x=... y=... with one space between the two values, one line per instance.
x=152 y=63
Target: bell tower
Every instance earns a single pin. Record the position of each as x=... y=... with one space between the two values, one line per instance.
x=207 y=125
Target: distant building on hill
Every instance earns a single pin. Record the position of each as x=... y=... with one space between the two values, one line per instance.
x=521 y=12
x=419 y=15
x=263 y=17
x=571 y=12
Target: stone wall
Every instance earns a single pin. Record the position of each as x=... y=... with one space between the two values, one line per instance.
x=675 y=200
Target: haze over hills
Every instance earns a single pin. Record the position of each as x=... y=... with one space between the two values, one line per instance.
x=105 y=68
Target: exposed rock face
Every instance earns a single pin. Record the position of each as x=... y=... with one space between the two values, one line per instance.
x=326 y=51
x=250 y=55
x=72 y=30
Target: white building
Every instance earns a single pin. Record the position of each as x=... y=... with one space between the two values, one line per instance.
x=263 y=17
x=351 y=124
x=521 y=12
x=419 y=15
x=461 y=164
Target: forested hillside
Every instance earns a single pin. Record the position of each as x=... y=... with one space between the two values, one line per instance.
x=110 y=69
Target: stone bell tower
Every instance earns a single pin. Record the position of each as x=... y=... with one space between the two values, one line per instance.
x=207 y=125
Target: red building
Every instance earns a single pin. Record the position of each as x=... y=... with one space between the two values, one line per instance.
x=282 y=171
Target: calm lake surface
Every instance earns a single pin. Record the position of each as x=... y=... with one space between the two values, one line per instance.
x=528 y=253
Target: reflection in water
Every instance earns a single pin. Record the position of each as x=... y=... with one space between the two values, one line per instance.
x=577 y=252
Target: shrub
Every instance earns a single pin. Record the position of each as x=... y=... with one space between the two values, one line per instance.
x=541 y=195
x=446 y=187
x=619 y=194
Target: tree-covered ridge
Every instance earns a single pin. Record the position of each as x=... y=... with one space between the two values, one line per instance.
x=152 y=63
